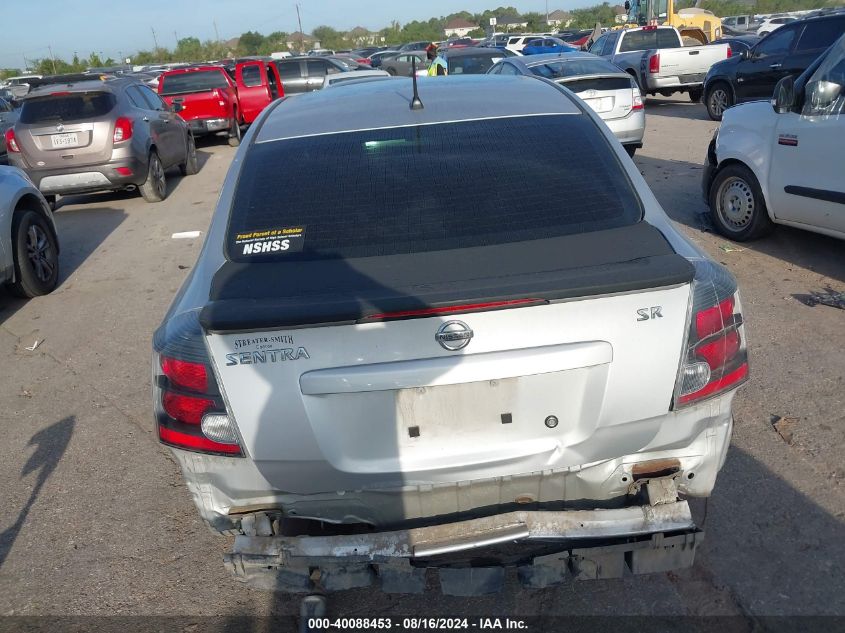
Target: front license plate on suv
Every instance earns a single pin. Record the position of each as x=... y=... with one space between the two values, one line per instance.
x=64 y=140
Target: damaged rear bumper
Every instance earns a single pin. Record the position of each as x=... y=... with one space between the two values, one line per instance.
x=471 y=557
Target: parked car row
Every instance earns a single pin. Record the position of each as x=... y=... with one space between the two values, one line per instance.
x=753 y=73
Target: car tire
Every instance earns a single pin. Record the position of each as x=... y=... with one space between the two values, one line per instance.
x=737 y=206
x=631 y=149
x=190 y=166
x=696 y=94
x=36 y=255
x=718 y=99
x=235 y=132
x=154 y=188
x=51 y=202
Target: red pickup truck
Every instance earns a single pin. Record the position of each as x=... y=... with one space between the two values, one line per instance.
x=211 y=101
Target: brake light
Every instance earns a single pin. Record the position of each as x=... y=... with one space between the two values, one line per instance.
x=715 y=355
x=637 y=97
x=193 y=376
x=196 y=443
x=730 y=52
x=466 y=307
x=652 y=27
x=123 y=171
x=11 y=142
x=189 y=408
x=122 y=130
x=654 y=63
x=186 y=409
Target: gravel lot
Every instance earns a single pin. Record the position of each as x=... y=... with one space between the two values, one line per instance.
x=95 y=518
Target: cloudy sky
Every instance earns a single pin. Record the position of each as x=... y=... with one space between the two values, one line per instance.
x=116 y=27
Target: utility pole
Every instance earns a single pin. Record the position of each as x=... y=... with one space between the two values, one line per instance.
x=176 y=38
x=547 y=12
x=53 y=59
x=155 y=41
x=301 y=34
x=216 y=33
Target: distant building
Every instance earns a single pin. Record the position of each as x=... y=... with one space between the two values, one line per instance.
x=559 y=19
x=364 y=37
x=510 y=23
x=458 y=27
x=298 y=41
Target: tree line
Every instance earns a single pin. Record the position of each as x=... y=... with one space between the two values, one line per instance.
x=190 y=49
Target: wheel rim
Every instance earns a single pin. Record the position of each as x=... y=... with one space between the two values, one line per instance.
x=158 y=176
x=718 y=101
x=735 y=204
x=40 y=252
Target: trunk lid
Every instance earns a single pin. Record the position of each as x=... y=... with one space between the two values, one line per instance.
x=67 y=129
x=610 y=96
x=350 y=387
x=200 y=105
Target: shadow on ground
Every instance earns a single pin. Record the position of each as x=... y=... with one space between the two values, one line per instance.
x=678 y=109
x=81 y=232
x=174 y=179
x=50 y=444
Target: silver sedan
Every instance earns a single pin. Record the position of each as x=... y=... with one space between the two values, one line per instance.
x=29 y=246
x=607 y=89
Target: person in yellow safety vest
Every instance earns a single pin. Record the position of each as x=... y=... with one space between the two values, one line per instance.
x=438 y=68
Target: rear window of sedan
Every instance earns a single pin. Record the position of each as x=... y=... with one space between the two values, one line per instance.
x=475 y=64
x=430 y=187
x=574 y=68
x=69 y=106
x=197 y=81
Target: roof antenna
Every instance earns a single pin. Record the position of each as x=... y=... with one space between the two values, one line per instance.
x=416 y=102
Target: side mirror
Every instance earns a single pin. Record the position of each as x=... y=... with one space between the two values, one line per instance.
x=783 y=99
x=822 y=94
x=745 y=54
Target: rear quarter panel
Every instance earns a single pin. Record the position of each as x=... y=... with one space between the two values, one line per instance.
x=690 y=59
x=14 y=186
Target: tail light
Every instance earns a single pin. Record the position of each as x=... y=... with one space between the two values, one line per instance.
x=637 y=97
x=122 y=130
x=189 y=408
x=730 y=52
x=11 y=142
x=715 y=357
x=654 y=63
x=455 y=309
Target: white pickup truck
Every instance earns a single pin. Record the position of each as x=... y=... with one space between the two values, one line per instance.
x=657 y=58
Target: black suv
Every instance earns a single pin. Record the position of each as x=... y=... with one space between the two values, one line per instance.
x=787 y=51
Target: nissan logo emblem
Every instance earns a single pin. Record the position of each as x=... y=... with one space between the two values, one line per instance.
x=453 y=335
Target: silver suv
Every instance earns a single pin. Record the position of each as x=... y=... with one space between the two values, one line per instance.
x=108 y=134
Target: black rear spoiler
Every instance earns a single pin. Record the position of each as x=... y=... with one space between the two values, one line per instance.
x=256 y=296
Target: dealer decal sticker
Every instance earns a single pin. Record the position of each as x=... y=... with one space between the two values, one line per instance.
x=289 y=239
